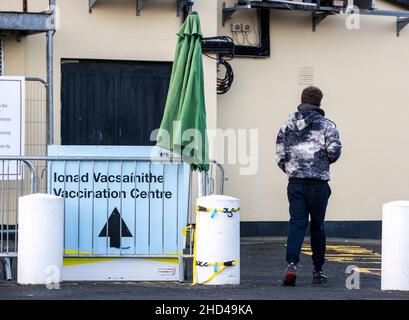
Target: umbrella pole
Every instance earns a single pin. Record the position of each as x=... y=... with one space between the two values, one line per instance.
x=202 y=184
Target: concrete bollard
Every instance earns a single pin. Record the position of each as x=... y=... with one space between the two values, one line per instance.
x=40 y=239
x=395 y=246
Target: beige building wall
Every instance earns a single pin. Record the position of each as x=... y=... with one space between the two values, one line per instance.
x=113 y=32
x=363 y=76
x=362 y=73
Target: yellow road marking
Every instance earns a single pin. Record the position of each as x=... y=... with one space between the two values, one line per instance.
x=351 y=254
x=375 y=271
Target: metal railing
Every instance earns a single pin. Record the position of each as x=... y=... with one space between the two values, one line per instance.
x=137 y=203
x=14 y=184
x=17 y=178
x=212 y=178
x=88 y=218
x=37 y=117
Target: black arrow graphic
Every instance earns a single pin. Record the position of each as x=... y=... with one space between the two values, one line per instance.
x=114 y=225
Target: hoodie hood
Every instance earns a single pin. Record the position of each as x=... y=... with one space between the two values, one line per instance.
x=306 y=114
x=306 y=107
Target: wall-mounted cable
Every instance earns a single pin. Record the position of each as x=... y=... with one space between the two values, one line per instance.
x=223 y=49
x=224 y=82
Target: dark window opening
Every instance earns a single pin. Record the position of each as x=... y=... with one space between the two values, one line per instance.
x=112 y=102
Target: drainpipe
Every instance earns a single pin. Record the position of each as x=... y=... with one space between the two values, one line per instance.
x=50 y=82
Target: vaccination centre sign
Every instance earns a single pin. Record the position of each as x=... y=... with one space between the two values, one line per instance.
x=115 y=210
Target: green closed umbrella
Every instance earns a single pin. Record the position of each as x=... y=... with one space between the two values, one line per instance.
x=183 y=127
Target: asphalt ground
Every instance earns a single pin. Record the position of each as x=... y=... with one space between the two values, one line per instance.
x=262 y=269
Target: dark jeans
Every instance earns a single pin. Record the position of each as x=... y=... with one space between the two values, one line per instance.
x=305 y=200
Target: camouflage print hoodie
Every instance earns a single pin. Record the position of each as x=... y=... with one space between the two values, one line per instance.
x=307 y=144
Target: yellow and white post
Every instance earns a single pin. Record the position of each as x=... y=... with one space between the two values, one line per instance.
x=217 y=241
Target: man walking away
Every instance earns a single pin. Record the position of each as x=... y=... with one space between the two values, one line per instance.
x=306 y=146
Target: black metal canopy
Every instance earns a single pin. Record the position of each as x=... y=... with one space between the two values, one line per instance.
x=180 y=6
x=319 y=12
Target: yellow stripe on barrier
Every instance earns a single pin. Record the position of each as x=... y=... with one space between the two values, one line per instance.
x=75 y=252
x=195 y=231
x=222 y=266
x=214 y=275
x=77 y=261
x=204 y=209
x=185 y=229
x=194 y=251
x=167 y=260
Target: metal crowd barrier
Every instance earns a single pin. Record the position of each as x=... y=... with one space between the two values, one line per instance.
x=12 y=186
x=211 y=178
x=20 y=176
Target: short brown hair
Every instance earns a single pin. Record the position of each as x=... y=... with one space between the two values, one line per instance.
x=312 y=95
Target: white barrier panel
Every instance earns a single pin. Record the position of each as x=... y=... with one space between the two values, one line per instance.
x=217 y=240
x=395 y=246
x=41 y=239
x=121 y=209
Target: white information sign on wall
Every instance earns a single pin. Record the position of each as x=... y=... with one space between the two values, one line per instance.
x=12 y=124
